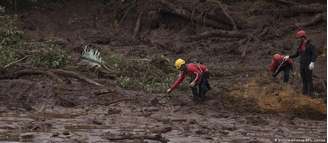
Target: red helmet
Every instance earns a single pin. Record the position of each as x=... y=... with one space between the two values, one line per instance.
x=300 y=34
x=276 y=57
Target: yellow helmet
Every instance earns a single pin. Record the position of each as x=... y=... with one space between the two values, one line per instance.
x=179 y=63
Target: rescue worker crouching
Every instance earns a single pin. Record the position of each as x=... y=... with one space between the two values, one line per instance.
x=278 y=64
x=199 y=74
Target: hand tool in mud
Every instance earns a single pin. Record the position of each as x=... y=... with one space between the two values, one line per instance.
x=280 y=65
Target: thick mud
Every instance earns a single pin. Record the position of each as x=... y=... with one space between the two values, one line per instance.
x=87 y=118
x=181 y=121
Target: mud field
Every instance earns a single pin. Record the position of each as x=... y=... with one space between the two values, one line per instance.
x=68 y=102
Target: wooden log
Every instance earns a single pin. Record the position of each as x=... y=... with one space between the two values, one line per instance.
x=137 y=27
x=36 y=72
x=285 y=2
x=232 y=21
x=155 y=137
x=294 y=10
x=316 y=19
x=75 y=75
x=218 y=33
x=186 y=14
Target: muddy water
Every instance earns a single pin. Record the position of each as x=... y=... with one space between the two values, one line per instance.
x=178 y=123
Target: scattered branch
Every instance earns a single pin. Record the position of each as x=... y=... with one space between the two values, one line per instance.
x=316 y=19
x=76 y=75
x=14 y=62
x=244 y=49
x=218 y=33
x=233 y=23
x=183 y=13
x=127 y=12
x=119 y=100
x=155 y=137
x=295 y=10
x=138 y=25
x=36 y=72
x=285 y=2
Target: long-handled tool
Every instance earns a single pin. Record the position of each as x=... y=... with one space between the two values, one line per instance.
x=280 y=65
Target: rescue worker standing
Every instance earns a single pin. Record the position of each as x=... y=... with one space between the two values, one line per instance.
x=279 y=64
x=307 y=52
x=199 y=73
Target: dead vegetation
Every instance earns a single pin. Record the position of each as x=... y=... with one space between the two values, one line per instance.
x=271 y=97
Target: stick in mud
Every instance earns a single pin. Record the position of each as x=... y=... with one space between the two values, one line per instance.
x=156 y=137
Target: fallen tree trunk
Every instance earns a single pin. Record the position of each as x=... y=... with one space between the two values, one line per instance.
x=36 y=72
x=76 y=75
x=295 y=10
x=119 y=100
x=318 y=18
x=232 y=21
x=285 y=2
x=155 y=137
x=137 y=27
x=186 y=14
x=218 y=33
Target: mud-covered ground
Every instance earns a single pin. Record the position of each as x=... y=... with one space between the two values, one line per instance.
x=245 y=104
x=177 y=119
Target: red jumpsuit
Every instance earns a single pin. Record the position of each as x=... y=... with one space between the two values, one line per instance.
x=275 y=62
x=192 y=70
x=286 y=67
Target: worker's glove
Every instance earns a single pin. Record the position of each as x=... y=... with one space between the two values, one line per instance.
x=311 y=66
x=192 y=84
x=169 y=90
x=286 y=58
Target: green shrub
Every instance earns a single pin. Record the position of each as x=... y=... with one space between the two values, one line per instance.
x=7 y=55
x=10 y=40
x=50 y=55
x=138 y=74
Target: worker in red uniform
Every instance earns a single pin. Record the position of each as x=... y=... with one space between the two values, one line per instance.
x=278 y=64
x=199 y=73
x=307 y=53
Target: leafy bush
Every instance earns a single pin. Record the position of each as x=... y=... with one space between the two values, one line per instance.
x=138 y=74
x=49 y=55
x=10 y=39
x=7 y=55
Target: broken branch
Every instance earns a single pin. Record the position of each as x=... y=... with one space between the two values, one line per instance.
x=14 y=62
x=119 y=100
x=36 y=72
x=138 y=25
x=296 y=10
x=183 y=13
x=156 y=137
x=76 y=75
x=317 y=18
x=218 y=33
x=233 y=23
x=285 y=2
